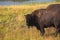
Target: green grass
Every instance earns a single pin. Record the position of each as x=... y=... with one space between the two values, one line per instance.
x=13 y=25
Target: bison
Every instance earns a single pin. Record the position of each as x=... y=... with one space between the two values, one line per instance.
x=45 y=18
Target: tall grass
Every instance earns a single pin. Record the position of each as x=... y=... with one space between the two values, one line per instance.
x=13 y=26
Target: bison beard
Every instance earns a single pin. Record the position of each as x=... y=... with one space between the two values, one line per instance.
x=45 y=18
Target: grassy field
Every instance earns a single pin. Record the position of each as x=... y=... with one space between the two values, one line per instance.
x=13 y=25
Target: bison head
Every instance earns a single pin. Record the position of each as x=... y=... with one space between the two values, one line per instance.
x=29 y=20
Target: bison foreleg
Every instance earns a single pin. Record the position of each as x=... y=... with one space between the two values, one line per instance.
x=42 y=30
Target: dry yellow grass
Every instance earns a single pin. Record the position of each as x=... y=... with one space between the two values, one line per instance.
x=13 y=26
